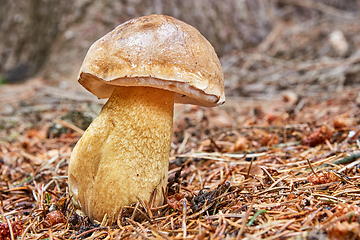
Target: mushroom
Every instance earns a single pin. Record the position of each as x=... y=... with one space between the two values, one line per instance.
x=143 y=66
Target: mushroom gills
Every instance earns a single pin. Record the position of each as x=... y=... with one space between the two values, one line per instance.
x=124 y=154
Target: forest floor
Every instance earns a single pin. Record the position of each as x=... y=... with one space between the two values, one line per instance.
x=258 y=167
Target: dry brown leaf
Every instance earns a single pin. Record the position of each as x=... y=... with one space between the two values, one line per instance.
x=269 y=139
x=240 y=144
x=322 y=178
x=318 y=136
x=177 y=201
x=54 y=218
x=340 y=123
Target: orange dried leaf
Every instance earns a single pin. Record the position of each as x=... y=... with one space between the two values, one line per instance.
x=270 y=118
x=54 y=218
x=270 y=139
x=240 y=144
x=35 y=134
x=340 y=123
x=322 y=178
x=291 y=196
x=256 y=170
x=177 y=200
x=318 y=136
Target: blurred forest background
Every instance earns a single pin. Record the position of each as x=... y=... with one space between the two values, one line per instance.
x=264 y=45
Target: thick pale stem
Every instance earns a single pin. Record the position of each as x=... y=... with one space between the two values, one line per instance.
x=124 y=154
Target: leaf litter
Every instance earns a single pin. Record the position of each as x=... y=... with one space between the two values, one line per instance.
x=265 y=175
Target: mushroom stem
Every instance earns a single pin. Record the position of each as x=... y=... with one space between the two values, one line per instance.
x=124 y=154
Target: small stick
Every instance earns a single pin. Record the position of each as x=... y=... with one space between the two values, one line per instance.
x=137 y=224
x=285 y=226
x=50 y=235
x=134 y=211
x=148 y=210
x=311 y=167
x=145 y=206
x=182 y=146
x=89 y=231
x=279 y=180
x=70 y=126
x=329 y=223
x=268 y=174
x=118 y=219
x=248 y=173
x=342 y=178
x=10 y=229
x=243 y=224
x=26 y=230
x=156 y=231
x=153 y=196
x=2 y=212
x=141 y=234
x=67 y=221
x=184 y=219
x=310 y=217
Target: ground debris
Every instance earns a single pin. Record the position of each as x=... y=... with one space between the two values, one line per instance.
x=322 y=178
x=16 y=230
x=255 y=177
x=318 y=136
x=205 y=197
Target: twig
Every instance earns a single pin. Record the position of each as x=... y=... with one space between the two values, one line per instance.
x=70 y=126
x=26 y=230
x=184 y=218
x=134 y=211
x=216 y=155
x=272 y=189
x=309 y=218
x=248 y=172
x=311 y=167
x=229 y=215
x=243 y=225
x=10 y=229
x=153 y=229
x=345 y=216
x=285 y=226
x=268 y=174
x=182 y=146
x=89 y=231
x=329 y=197
x=278 y=181
x=142 y=235
x=137 y=224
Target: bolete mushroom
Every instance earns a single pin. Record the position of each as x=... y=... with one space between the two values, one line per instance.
x=143 y=66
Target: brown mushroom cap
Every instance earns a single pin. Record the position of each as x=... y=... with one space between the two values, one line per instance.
x=156 y=51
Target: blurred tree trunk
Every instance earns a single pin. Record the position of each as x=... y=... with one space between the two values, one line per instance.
x=53 y=36
x=29 y=28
